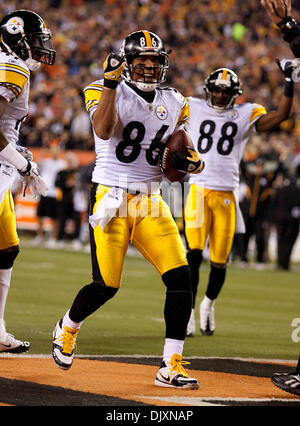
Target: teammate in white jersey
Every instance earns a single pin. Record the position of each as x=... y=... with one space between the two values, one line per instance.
x=25 y=42
x=220 y=130
x=131 y=122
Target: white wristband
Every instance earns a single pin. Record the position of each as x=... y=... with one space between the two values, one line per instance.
x=12 y=156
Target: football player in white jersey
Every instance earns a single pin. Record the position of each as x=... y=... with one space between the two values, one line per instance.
x=220 y=130
x=25 y=42
x=131 y=122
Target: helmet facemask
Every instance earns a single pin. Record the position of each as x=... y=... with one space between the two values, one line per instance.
x=147 y=78
x=34 y=49
x=40 y=47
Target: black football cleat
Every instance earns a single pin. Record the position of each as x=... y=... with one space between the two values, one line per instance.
x=287 y=382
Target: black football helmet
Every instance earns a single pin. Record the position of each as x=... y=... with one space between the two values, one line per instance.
x=24 y=34
x=226 y=81
x=144 y=43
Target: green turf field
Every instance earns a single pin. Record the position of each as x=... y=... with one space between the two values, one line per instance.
x=254 y=312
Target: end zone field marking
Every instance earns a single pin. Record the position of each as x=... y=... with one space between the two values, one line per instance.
x=138 y=356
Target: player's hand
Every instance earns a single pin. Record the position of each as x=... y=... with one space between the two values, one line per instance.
x=277 y=10
x=33 y=180
x=113 y=67
x=24 y=152
x=287 y=66
x=190 y=163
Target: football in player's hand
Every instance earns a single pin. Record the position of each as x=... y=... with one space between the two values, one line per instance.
x=176 y=142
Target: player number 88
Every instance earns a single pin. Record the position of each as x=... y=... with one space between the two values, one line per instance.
x=225 y=143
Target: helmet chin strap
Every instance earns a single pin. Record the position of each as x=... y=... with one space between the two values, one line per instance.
x=216 y=108
x=8 y=48
x=145 y=87
x=140 y=84
x=221 y=108
x=32 y=64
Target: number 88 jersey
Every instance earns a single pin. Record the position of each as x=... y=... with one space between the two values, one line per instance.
x=220 y=138
x=130 y=157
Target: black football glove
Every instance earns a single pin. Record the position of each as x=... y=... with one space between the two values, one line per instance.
x=113 y=67
x=190 y=163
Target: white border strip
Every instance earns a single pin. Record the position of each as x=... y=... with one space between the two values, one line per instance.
x=203 y=401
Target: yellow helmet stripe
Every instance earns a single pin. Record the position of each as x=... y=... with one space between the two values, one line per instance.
x=148 y=39
x=224 y=74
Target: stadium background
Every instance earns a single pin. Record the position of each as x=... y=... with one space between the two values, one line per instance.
x=257 y=306
x=202 y=35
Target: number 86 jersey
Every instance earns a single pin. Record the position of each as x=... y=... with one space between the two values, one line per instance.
x=220 y=138
x=130 y=157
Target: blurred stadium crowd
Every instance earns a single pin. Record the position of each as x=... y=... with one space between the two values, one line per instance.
x=203 y=35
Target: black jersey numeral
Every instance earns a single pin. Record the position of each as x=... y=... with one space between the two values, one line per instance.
x=225 y=143
x=130 y=147
x=133 y=134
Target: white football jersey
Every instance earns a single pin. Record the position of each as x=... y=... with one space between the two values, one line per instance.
x=14 y=87
x=220 y=138
x=130 y=158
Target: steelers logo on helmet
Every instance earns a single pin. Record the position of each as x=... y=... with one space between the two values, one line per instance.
x=144 y=45
x=222 y=87
x=15 y=25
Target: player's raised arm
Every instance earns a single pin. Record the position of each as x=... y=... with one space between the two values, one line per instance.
x=272 y=119
x=279 y=11
x=105 y=117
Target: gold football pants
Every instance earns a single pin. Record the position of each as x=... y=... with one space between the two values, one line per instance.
x=146 y=221
x=8 y=228
x=216 y=221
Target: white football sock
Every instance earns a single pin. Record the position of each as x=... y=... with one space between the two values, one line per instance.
x=68 y=322
x=5 y=276
x=2 y=329
x=172 y=346
x=207 y=303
